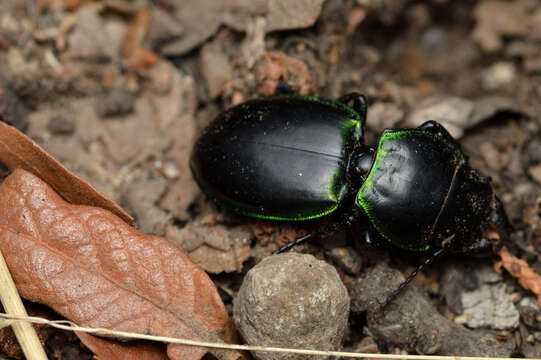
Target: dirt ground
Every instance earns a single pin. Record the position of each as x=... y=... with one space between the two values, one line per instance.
x=118 y=91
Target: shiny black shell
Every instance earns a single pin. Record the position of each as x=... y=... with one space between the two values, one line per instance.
x=421 y=191
x=282 y=158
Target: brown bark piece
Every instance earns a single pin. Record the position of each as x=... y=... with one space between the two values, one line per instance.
x=93 y=268
x=136 y=54
x=19 y=151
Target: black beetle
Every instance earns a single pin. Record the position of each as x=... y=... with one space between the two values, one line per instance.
x=299 y=157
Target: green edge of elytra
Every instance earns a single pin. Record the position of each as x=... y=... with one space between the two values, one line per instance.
x=355 y=114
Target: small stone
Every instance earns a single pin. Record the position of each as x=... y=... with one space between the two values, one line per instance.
x=163 y=27
x=498 y=75
x=117 y=102
x=515 y=297
x=529 y=301
x=492 y=156
x=88 y=40
x=384 y=115
x=61 y=125
x=347 y=260
x=535 y=173
x=461 y=319
x=12 y=110
x=215 y=67
x=292 y=300
x=170 y=170
x=141 y=198
x=490 y=305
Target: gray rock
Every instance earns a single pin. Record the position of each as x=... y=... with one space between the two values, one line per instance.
x=118 y=101
x=346 y=259
x=292 y=300
x=412 y=322
x=491 y=306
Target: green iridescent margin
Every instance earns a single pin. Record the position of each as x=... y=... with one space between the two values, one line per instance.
x=355 y=114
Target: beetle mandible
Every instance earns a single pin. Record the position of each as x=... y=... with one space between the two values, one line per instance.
x=296 y=157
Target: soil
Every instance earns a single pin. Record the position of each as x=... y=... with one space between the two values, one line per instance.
x=119 y=90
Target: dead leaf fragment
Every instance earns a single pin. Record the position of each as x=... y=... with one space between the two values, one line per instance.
x=520 y=269
x=277 y=67
x=450 y=111
x=218 y=261
x=213 y=247
x=107 y=349
x=19 y=151
x=94 y=269
x=497 y=18
x=202 y=18
x=535 y=172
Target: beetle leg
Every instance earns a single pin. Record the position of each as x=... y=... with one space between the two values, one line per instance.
x=295 y=242
x=360 y=103
x=405 y=283
x=436 y=128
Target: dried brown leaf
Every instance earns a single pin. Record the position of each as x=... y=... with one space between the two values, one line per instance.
x=202 y=18
x=93 y=268
x=123 y=351
x=276 y=67
x=19 y=151
x=520 y=269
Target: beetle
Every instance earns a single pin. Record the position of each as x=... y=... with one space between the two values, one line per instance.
x=295 y=157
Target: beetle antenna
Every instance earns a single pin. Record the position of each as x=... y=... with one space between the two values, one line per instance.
x=405 y=283
x=295 y=242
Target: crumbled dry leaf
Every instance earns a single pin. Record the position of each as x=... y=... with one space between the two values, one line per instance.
x=202 y=18
x=215 y=67
x=496 y=18
x=535 y=172
x=60 y=4
x=277 y=67
x=88 y=40
x=217 y=261
x=19 y=151
x=211 y=246
x=136 y=54
x=93 y=268
x=520 y=269
x=452 y=112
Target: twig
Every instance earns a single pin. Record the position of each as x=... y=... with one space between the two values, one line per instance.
x=25 y=333
x=70 y=326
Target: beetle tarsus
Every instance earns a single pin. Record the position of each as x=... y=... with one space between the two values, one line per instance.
x=405 y=283
x=293 y=243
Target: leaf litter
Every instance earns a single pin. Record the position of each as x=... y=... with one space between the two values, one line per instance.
x=92 y=267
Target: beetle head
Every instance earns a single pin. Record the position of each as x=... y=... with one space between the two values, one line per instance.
x=361 y=162
x=474 y=216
